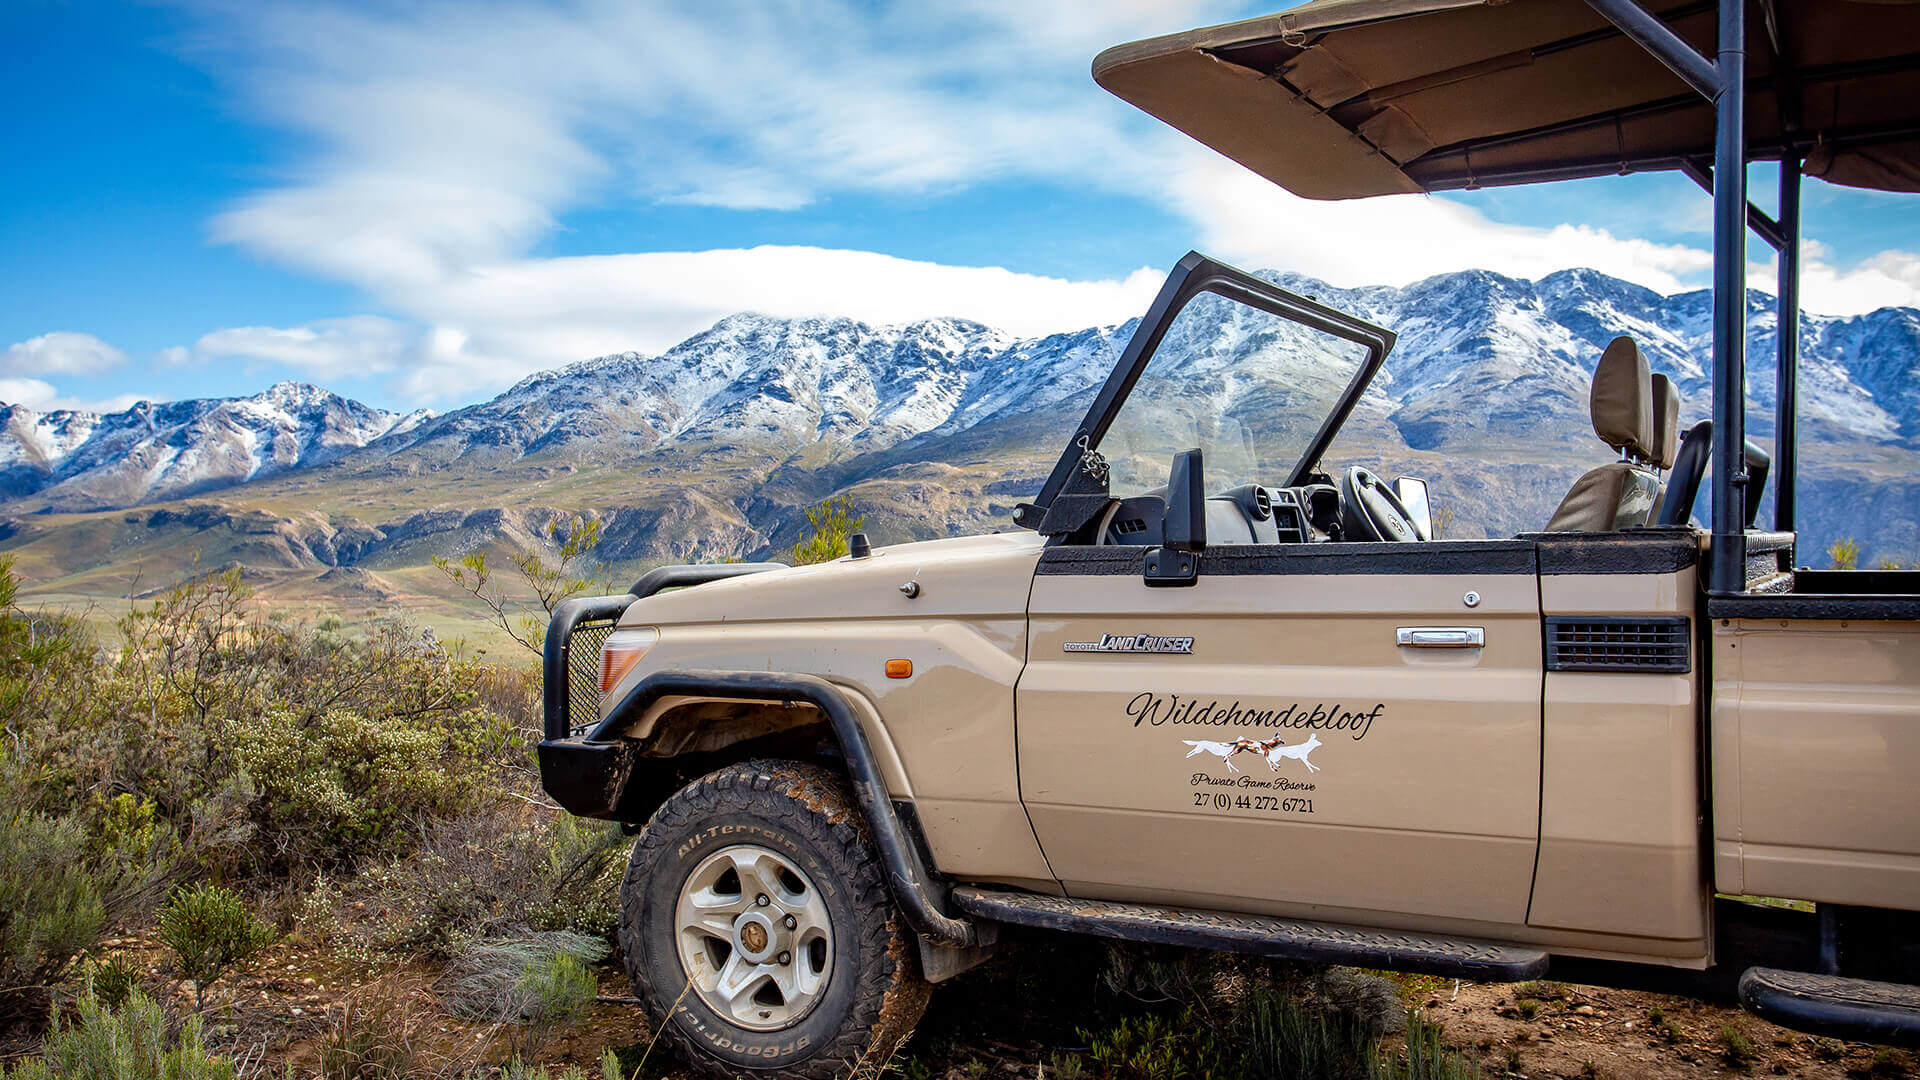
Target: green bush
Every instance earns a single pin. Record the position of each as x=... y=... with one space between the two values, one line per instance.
x=210 y=931
x=336 y=787
x=555 y=992
x=61 y=888
x=609 y=1070
x=830 y=529
x=51 y=909
x=1426 y=1057
x=263 y=744
x=373 y=1037
x=114 y=979
x=130 y=1043
x=1844 y=554
x=490 y=980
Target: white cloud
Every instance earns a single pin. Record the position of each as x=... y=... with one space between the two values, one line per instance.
x=447 y=144
x=33 y=393
x=523 y=315
x=329 y=348
x=1889 y=279
x=62 y=352
x=1398 y=239
x=41 y=396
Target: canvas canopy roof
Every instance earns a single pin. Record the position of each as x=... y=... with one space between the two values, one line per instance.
x=1343 y=99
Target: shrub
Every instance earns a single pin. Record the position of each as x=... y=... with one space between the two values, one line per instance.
x=1285 y=1039
x=372 y=1036
x=334 y=788
x=114 y=979
x=1427 y=1057
x=500 y=980
x=579 y=876
x=550 y=583
x=1735 y=1047
x=830 y=529
x=1844 y=554
x=130 y=1043
x=1150 y=1048
x=609 y=1070
x=60 y=889
x=555 y=992
x=210 y=931
x=50 y=907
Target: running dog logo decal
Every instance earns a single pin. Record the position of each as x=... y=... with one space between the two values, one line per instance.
x=1280 y=791
x=1275 y=750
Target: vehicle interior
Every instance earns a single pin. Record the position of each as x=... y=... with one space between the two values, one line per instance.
x=1634 y=411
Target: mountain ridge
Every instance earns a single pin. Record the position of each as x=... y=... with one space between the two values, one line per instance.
x=714 y=447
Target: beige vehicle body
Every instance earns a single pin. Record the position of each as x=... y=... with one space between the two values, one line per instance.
x=1284 y=721
x=1483 y=796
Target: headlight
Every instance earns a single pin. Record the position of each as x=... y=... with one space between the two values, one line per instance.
x=622 y=651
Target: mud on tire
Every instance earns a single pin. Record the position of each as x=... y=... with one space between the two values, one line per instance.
x=872 y=994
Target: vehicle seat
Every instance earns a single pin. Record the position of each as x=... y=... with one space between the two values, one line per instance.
x=1620 y=495
x=1666 y=434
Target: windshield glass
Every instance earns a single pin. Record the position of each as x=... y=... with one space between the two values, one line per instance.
x=1248 y=388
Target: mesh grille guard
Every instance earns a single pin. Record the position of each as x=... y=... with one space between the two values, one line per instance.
x=1648 y=644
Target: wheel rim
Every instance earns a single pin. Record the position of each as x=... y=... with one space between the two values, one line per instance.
x=754 y=937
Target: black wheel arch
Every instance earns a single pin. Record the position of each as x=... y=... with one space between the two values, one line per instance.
x=605 y=775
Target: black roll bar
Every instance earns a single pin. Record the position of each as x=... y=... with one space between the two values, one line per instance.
x=586 y=609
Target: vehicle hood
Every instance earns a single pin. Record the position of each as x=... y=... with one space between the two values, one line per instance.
x=959 y=576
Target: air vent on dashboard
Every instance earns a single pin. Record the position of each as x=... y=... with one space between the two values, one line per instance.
x=1262 y=504
x=1611 y=643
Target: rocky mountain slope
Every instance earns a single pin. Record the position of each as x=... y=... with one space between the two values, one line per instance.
x=155 y=451
x=714 y=447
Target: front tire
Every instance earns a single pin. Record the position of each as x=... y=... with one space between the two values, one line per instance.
x=757 y=926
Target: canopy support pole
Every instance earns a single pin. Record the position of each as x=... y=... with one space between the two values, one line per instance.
x=1728 y=571
x=1668 y=47
x=1787 y=375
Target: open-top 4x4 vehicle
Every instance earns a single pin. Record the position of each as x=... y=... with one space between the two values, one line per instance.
x=1223 y=692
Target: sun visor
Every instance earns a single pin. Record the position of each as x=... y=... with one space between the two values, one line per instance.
x=1260 y=123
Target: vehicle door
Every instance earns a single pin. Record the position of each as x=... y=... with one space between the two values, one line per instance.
x=1340 y=730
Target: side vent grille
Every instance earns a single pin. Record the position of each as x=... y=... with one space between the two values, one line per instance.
x=1605 y=643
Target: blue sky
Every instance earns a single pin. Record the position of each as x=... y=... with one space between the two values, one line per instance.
x=417 y=204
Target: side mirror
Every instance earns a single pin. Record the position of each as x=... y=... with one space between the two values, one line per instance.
x=1185 y=526
x=1413 y=496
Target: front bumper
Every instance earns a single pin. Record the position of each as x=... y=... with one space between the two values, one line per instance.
x=587 y=779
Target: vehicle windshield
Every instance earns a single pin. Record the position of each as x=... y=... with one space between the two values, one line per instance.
x=1249 y=388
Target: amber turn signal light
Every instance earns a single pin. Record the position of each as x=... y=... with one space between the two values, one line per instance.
x=899 y=669
x=622 y=651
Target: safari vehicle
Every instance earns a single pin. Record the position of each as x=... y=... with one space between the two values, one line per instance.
x=1221 y=691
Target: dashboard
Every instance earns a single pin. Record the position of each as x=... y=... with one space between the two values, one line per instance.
x=1249 y=514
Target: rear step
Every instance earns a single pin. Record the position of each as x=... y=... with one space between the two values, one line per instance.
x=1831 y=1005
x=1259 y=935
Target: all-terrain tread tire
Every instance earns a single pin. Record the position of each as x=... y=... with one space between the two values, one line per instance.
x=812 y=807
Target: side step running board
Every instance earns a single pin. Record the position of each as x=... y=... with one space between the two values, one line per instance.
x=1834 y=1006
x=1259 y=935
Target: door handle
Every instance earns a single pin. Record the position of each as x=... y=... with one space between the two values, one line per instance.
x=1441 y=637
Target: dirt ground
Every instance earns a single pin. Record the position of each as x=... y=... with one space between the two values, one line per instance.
x=1009 y=1020
x=1563 y=1030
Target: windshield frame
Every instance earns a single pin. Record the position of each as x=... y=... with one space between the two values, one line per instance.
x=1193 y=275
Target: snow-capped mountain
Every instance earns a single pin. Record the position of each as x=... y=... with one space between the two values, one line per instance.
x=167 y=449
x=713 y=447
x=1482 y=360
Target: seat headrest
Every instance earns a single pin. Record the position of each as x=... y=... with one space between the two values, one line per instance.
x=1622 y=402
x=1666 y=421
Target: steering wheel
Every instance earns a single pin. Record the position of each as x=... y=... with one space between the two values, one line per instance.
x=1369 y=509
